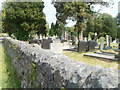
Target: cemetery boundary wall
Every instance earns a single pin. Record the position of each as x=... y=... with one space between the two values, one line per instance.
x=37 y=67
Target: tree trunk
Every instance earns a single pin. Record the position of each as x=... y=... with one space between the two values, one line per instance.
x=81 y=35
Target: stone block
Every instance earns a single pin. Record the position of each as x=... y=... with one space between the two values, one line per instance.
x=38 y=66
x=91 y=45
x=82 y=46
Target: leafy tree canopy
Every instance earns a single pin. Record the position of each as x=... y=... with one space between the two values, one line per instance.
x=20 y=18
x=80 y=12
x=102 y=24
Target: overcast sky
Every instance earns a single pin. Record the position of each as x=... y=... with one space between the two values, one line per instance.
x=50 y=11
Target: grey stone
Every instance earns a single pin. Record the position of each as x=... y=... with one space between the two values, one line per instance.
x=82 y=46
x=91 y=45
x=53 y=70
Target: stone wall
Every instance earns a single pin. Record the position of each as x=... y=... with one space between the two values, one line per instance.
x=38 y=67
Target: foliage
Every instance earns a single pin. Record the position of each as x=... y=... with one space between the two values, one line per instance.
x=80 y=12
x=110 y=26
x=72 y=34
x=118 y=25
x=32 y=34
x=56 y=29
x=31 y=77
x=102 y=24
x=20 y=18
x=52 y=30
x=118 y=19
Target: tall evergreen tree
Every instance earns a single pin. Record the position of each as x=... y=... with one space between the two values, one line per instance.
x=20 y=18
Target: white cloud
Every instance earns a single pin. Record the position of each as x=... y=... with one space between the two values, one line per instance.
x=50 y=12
x=1 y=1
x=112 y=10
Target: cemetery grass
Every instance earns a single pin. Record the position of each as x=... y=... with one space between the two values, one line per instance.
x=8 y=74
x=92 y=61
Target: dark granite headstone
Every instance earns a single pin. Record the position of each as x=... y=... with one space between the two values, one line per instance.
x=82 y=46
x=91 y=45
x=119 y=56
x=46 y=44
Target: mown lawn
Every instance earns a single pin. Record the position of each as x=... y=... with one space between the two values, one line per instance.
x=8 y=77
x=92 y=61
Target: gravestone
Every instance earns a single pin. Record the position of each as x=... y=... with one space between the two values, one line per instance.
x=91 y=45
x=54 y=45
x=108 y=42
x=102 y=45
x=66 y=45
x=95 y=37
x=63 y=35
x=119 y=56
x=46 y=44
x=82 y=46
x=85 y=38
x=89 y=37
x=57 y=47
x=115 y=41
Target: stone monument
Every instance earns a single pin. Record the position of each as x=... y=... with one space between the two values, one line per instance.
x=102 y=45
x=108 y=42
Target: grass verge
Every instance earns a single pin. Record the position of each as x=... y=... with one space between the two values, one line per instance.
x=7 y=72
x=92 y=61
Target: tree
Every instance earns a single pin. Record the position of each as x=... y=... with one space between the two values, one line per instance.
x=52 y=30
x=78 y=11
x=102 y=24
x=118 y=27
x=110 y=26
x=20 y=18
x=56 y=29
x=72 y=34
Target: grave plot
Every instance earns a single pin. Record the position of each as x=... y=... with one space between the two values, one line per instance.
x=84 y=46
x=105 y=63
x=54 y=45
x=66 y=45
x=96 y=55
x=103 y=55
